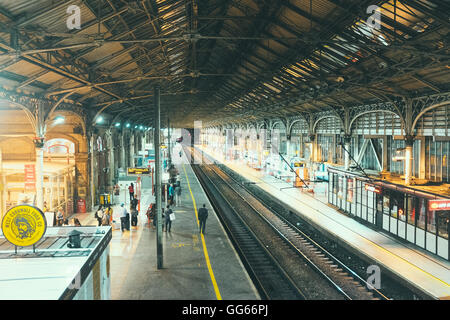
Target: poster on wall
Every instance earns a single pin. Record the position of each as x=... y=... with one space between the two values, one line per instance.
x=339 y=194
x=350 y=190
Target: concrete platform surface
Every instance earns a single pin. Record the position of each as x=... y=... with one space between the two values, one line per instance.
x=195 y=267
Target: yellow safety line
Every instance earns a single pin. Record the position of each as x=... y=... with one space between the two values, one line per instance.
x=205 y=251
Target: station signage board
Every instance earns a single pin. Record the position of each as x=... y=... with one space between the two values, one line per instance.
x=30 y=178
x=372 y=188
x=138 y=171
x=438 y=205
x=24 y=225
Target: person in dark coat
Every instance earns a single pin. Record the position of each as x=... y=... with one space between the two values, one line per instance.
x=177 y=192
x=134 y=203
x=202 y=216
x=167 y=221
x=134 y=216
x=99 y=215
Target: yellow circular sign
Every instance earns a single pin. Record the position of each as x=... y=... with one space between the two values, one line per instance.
x=24 y=225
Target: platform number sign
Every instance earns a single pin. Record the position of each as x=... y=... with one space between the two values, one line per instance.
x=374 y=279
x=74 y=20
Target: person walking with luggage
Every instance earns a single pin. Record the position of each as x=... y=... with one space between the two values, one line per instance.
x=168 y=219
x=131 y=191
x=99 y=215
x=202 y=216
x=123 y=217
x=177 y=192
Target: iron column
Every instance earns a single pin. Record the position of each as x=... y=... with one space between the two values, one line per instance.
x=168 y=138
x=156 y=137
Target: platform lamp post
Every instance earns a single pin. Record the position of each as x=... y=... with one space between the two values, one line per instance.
x=409 y=142
x=168 y=141
x=156 y=137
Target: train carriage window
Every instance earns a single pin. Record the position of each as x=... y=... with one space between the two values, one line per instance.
x=443 y=219
x=431 y=222
x=397 y=202
x=421 y=214
x=386 y=204
x=394 y=210
x=412 y=206
x=445 y=167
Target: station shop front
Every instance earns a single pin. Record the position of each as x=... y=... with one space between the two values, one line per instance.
x=18 y=185
x=419 y=217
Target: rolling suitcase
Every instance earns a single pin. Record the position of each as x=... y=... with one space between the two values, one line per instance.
x=134 y=220
x=127 y=222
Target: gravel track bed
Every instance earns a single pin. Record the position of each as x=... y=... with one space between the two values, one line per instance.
x=390 y=287
x=312 y=284
x=352 y=288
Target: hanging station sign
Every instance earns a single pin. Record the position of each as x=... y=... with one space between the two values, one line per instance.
x=437 y=205
x=372 y=188
x=24 y=225
x=138 y=171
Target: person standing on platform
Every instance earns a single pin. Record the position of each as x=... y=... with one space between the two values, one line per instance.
x=99 y=215
x=116 y=193
x=109 y=212
x=134 y=203
x=106 y=218
x=76 y=222
x=202 y=216
x=59 y=217
x=178 y=194
x=134 y=214
x=171 y=193
x=131 y=191
x=123 y=217
x=168 y=220
x=163 y=192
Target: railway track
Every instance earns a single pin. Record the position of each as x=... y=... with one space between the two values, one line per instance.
x=298 y=255
x=269 y=277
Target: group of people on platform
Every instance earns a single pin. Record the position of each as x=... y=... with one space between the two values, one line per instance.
x=59 y=220
x=169 y=216
x=125 y=216
x=104 y=215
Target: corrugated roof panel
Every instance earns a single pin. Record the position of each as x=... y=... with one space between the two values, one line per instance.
x=103 y=51
x=24 y=68
x=50 y=78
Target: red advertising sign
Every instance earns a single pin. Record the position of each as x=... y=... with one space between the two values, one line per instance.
x=370 y=187
x=437 y=205
x=30 y=178
x=81 y=206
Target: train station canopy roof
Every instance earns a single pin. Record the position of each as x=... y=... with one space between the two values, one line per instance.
x=223 y=60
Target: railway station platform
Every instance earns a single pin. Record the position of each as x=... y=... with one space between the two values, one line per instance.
x=427 y=274
x=195 y=267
